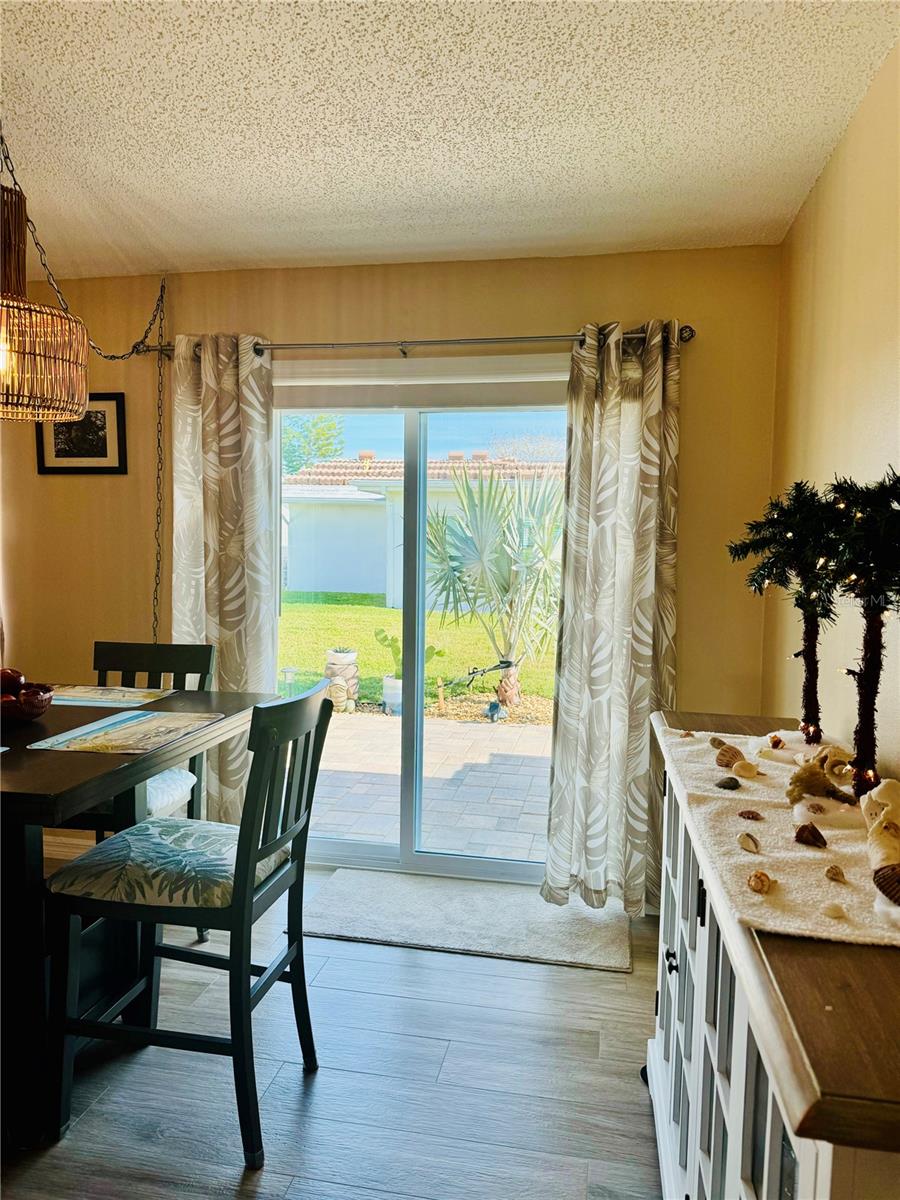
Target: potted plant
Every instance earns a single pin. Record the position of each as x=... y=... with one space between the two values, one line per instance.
x=342 y=670
x=392 y=685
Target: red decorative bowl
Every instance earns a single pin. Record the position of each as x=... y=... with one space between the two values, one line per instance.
x=31 y=702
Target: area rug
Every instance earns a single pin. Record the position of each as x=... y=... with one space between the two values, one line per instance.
x=501 y=920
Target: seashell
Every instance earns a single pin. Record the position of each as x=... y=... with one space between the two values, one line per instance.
x=759 y=881
x=837 y=912
x=887 y=880
x=835 y=874
x=815 y=807
x=729 y=783
x=809 y=835
x=716 y=742
x=748 y=842
x=745 y=769
x=728 y=756
x=776 y=742
x=688 y=733
x=750 y=814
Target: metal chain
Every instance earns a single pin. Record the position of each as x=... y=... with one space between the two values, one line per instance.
x=157 y=532
x=141 y=346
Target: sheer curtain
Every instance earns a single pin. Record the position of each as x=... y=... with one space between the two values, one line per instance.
x=223 y=553
x=616 y=647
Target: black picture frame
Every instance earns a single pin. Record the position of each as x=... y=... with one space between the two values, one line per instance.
x=50 y=436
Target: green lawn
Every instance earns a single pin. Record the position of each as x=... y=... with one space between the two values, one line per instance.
x=312 y=623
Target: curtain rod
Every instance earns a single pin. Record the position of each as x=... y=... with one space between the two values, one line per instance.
x=687 y=333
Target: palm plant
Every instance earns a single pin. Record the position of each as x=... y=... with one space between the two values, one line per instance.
x=795 y=544
x=867 y=564
x=495 y=562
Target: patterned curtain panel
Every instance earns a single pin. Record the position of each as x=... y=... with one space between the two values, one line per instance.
x=616 y=648
x=223 y=569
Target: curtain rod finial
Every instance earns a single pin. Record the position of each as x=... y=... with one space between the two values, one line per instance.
x=687 y=334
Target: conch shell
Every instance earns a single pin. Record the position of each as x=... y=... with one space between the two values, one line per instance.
x=881 y=808
x=835 y=762
x=728 y=756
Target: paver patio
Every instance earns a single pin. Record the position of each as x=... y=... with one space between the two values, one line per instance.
x=485 y=787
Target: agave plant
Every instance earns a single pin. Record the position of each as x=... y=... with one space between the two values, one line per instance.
x=495 y=561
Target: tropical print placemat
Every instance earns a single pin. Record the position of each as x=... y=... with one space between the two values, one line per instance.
x=128 y=732
x=108 y=697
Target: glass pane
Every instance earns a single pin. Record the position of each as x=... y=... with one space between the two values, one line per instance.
x=341 y=607
x=758 y=1129
x=493 y=535
x=787 y=1187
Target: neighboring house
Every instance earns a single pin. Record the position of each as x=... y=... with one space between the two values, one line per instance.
x=342 y=520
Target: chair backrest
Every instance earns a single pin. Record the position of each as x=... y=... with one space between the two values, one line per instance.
x=286 y=738
x=156 y=661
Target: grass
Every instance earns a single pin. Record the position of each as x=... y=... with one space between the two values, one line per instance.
x=313 y=622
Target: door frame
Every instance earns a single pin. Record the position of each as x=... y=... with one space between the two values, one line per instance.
x=407 y=857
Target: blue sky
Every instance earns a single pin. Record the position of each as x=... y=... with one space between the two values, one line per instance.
x=541 y=432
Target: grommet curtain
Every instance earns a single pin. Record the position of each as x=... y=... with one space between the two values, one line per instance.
x=223 y=555
x=616 y=644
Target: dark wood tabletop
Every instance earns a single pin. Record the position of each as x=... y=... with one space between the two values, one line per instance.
x=46 y=787
x=841 y=999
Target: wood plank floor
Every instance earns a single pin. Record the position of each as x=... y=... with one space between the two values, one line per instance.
x=442 y=1077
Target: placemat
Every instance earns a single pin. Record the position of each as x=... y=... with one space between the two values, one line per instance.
x=794 y=905
x=108 y=697
x=128 y=732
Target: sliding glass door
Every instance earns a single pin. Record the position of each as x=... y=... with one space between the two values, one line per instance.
x=420 y=573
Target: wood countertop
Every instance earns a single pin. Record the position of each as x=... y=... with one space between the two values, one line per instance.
x=824 y=1013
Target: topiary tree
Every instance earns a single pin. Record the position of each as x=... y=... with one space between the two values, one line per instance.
x=795 y=544
x=867 y=563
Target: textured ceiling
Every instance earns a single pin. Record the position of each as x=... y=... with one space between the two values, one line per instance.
x=195 y=136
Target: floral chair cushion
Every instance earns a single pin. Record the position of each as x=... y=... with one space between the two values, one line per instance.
x=169 y=861
x=166 y=792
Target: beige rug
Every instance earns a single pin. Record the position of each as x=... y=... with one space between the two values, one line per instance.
x=502 y=920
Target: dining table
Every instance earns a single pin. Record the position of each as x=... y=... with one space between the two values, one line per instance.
x=43 y=789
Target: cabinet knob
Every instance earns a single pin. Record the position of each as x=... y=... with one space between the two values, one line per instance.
x=671 y=965
x=670 y=956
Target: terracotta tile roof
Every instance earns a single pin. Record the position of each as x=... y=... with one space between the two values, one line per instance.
x=342 y=471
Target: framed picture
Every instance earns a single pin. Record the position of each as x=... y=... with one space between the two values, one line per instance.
x=95 y=445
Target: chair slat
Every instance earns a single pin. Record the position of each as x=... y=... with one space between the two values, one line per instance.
x=275 y=797
x=128 y=678
x=154 y=679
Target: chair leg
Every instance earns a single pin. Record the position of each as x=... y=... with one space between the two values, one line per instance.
x=242 y=1051
x=144 y=1011
x=298 y=979
x=65 y=941
x=202 y=935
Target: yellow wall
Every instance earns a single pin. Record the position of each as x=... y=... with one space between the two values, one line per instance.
x=838 y=389
x=78 y=551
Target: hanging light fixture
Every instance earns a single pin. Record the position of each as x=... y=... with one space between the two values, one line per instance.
x=43 y=350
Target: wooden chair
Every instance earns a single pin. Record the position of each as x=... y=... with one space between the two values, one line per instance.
x=172 y=789
x=224 y=877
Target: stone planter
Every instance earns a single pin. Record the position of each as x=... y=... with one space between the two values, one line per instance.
x=342 y=671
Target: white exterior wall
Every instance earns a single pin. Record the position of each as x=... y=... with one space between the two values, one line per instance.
x=336 y=546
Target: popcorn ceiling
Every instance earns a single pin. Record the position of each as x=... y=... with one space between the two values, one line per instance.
x=199 y=136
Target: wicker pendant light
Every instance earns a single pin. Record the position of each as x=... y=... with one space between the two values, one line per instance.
x=43 y=350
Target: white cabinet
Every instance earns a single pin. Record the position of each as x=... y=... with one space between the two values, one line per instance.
x=720 y=1124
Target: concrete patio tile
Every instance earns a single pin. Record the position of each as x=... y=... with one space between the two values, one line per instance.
x=477 y=821
x=375 y=823
x=501 y=850
x=532 y=823
x=513 y=840
x=493 y=810
x=446 y=838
